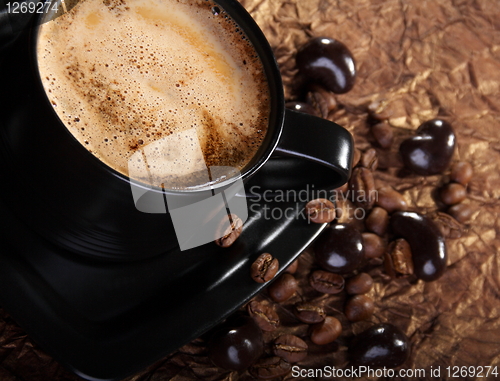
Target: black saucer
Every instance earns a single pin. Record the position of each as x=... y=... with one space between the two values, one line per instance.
x=106 y=321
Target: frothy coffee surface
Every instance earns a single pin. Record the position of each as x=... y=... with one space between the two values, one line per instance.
x=157 y=89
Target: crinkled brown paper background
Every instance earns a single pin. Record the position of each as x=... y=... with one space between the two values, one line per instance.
x=419 y=59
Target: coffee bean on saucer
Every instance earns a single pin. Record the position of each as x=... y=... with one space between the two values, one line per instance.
x=264 y=315
x=301 y=107
x=377 y=221
x=309 y=313
x=326 y=282
x=362 y=187
x=229 y=230
x=264 y=268
x=270 y=368
x=291 y=348
x=320 y=211
x=383 y=134
x=359 y=284
x=398 y=260
x=359 y=307
x=339 y=249
x=381 y=345
x=369 y=159
x=453 y=193
x=283 y=288
x=461 y=172
x=374 y=245
x=327 y=331
x=429 y=152
x=236 y=344
x=327 y=62
x=390 y=199
x=461 y=212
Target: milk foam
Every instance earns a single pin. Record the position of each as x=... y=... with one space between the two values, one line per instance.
x=126 y=74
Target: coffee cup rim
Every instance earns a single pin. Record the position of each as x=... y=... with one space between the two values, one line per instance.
x=277 y=104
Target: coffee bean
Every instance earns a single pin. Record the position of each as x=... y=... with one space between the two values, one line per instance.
x=461 y=212
x=429 y=152
x=339 y=249
x=264 y=268
x=229 y=230
x=264 y=315
x=292 y=268
x=448 y=226
x=359 y=284
x=383 y=134
x=427 y=244
x=362 y=188
x=236 y=344
x=359 y=307
x=301 y=107
x=270 y=368
x=283 y=288
x=374 y=245
x=309 y=313
x=356 y=157
x=377 y=221
x=369 y=159
x=461 y=172
x=326 y=282
x=453 y=193
x=290 y=348
x=381 y=345
x=390 y=199
x=398 y=260
x=327 y=331
x=320 y=211
x=379 y=111
x=327 y=62
x=322 y=100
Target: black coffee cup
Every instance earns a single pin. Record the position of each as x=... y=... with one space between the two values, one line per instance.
x=79 y=203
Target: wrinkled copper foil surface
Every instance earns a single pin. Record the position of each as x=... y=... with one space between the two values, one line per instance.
x=416 y=60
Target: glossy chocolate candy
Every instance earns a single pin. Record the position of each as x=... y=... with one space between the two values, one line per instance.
x=382 y=345
x=339 y=249
x=236 y=344
x=431 y=150
x=426 y=242
x=329 y=63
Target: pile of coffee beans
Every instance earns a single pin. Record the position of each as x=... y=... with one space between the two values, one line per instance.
x=315 y=304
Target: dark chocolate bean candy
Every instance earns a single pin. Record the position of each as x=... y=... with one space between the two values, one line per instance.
x=264 y=268
x=270 y=368
x=359 y=284
x=382 y=345
x=461 y=172
x=453 y=193
x=283 y=288
x=309 y=313
x=426 y=242
x=236 y=344
x=290 y=348
x=359 y=307
x=329 y=63
x=326 y=282
x=264 y=315
x=339 y=249
x=431 y=150
x=301 y=107
x=327 y=331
